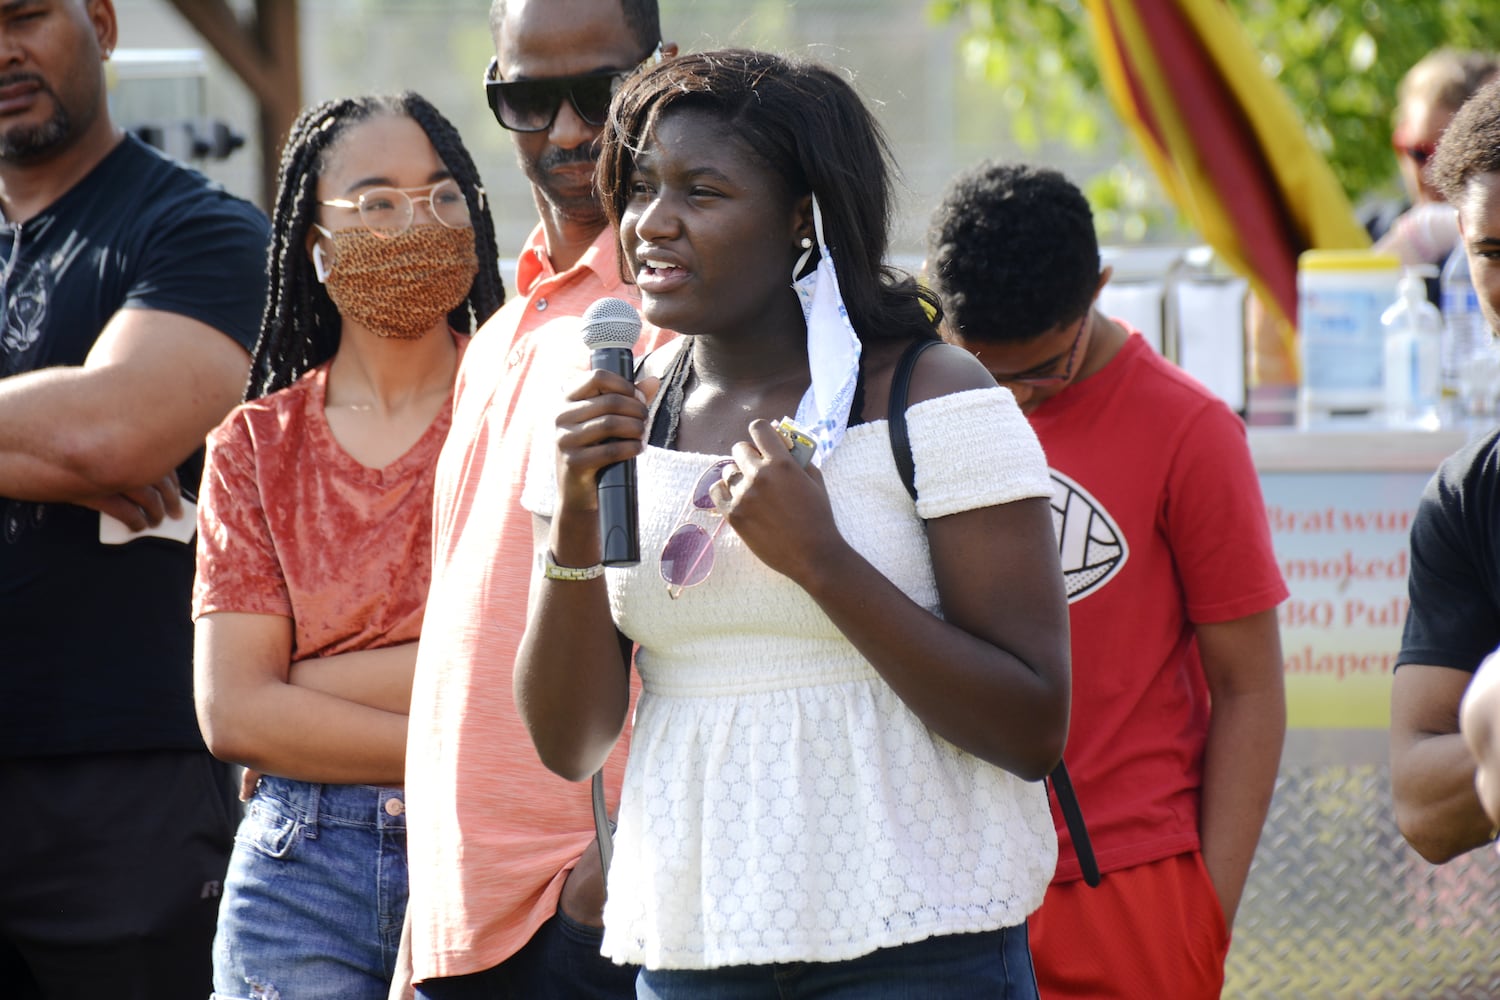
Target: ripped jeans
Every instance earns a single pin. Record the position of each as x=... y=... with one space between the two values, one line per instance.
x=315 y=894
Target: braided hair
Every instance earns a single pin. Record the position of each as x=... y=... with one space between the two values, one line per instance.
x=300 y=328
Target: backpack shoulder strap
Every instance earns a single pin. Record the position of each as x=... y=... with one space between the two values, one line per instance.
x=1067 y=801
x=1062 y=786
x=896 y=413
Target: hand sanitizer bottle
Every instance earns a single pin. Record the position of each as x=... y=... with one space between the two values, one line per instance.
x=1413 y=329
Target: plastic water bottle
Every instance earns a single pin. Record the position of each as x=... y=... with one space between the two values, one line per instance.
x=1463 y=329
x=1413 y=333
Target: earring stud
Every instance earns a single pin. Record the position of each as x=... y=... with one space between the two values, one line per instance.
x=807 y=243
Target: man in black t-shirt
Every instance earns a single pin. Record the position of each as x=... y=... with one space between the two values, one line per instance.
x=130 y=293
x=1454 y=621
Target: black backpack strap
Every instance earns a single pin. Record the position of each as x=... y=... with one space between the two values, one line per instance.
x=1067 y=801
x=896 y=413
x=1062 y=785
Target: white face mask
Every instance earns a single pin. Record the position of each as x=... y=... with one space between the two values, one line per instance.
x=833 y=347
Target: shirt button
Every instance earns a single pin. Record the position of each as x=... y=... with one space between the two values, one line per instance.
x=394 y=807
x=541 y=305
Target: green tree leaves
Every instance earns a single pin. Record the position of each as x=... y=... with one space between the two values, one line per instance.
x=1338 y=60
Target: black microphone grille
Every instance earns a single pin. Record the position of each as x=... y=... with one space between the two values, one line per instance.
x=611 y=323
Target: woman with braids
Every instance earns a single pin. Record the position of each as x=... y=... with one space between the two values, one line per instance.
x=314 y=533
x=849 y=697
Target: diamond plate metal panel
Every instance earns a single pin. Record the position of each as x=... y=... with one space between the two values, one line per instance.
x=1338 y=906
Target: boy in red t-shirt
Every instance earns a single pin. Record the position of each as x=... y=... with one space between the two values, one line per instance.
x=1178 y=704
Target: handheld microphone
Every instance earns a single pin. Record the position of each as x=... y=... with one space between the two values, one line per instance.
x=610 y=330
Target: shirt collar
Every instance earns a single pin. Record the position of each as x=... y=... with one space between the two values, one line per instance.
x=602 y=257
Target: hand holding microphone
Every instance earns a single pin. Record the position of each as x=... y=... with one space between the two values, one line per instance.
x=610 y=330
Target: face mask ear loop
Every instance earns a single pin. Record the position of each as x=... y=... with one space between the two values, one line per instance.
x=817 y=232
x=801 y=263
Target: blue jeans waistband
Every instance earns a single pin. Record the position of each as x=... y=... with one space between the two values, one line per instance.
x=370 y=806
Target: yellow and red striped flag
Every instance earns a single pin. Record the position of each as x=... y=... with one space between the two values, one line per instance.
x=1222 y=137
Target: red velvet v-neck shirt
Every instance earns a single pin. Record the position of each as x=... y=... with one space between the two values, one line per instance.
x=290 y=524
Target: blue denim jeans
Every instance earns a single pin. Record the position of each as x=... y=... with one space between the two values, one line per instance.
x=315 y=894
x=995 y=965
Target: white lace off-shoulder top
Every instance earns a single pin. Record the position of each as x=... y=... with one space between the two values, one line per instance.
x=781 y=803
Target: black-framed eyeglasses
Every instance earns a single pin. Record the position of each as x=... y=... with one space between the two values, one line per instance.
x=531 y=105
x=1044 y=381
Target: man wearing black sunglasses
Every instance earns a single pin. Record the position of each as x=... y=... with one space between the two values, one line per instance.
x=506 y=886
x=554 y=100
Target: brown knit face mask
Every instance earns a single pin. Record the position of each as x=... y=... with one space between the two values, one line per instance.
x=399 y=286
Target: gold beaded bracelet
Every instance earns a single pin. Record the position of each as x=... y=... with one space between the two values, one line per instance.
x=552 y=571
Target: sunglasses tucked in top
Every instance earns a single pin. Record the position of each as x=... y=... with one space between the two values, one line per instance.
x=388 y=211
x=687 y=557
x=531 y=105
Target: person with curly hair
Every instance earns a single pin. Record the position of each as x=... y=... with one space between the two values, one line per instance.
x=1178 y=703
x=1453 y=621
x=1466 y=168
x=315 y=537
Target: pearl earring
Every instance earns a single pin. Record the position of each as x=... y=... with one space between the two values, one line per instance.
x=806 y=243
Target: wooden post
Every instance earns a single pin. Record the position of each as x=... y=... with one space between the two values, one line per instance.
x=266 y=56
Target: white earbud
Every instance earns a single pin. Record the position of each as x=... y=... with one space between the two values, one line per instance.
x=320 y=266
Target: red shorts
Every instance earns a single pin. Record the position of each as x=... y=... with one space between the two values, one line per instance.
x=1152 y=931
